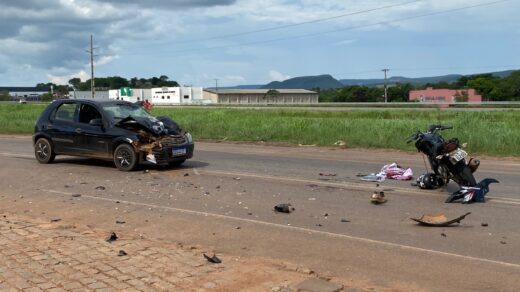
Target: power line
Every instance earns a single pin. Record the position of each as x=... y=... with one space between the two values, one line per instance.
x=298 y=24
x=340 y=29
x=437 y=68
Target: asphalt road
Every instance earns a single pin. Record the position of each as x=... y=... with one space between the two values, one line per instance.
x=224 y=196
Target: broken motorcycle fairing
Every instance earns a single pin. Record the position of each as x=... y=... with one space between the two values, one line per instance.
x=160 y=138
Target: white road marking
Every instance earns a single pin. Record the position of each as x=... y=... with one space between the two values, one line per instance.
x=301 y=229
x=348 y=185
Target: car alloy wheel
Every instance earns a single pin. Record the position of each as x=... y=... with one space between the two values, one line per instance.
x=43 y=151
x=125 y=158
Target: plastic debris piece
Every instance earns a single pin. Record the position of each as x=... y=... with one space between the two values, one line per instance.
x=112 y=237
x=214 y=259
x=284 y=208
x=438 y=219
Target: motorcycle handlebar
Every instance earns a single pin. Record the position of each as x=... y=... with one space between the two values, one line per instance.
x=432 y=128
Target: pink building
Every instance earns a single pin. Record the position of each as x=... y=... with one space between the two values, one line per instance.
x=444 y=95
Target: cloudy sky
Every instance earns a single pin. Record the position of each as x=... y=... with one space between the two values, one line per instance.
x=254 y=41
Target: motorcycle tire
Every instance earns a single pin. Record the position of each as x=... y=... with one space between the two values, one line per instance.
x=467 y=178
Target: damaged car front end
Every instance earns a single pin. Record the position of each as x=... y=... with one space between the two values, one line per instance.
x=159 y=140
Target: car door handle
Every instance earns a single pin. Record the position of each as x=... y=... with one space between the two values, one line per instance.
x=78 y=130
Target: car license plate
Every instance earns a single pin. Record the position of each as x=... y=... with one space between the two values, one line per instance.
x=458 y=155
x=178 y=151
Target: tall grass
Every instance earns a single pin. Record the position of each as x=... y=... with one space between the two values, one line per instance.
x=19 y=118
x=487 y=132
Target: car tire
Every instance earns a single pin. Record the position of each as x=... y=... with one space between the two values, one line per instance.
x=177 y=163
x=125 y=157
x=43 y=151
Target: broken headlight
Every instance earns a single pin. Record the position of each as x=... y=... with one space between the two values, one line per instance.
x=189 y=138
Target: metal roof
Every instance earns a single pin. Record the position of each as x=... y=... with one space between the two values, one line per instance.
x=258 y=91
x=24 y=89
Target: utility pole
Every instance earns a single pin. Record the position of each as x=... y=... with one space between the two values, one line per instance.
x=386 y=95
x=92 y=83
x=216 y=85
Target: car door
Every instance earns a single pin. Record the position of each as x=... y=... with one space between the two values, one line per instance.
x=92 y=139
x=61 y=128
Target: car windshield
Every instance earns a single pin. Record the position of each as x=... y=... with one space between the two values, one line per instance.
x=119 y=111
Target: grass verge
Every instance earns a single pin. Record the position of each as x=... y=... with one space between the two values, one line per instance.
x=487 y=132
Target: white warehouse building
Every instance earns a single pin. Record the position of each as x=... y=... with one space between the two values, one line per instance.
x=177 y=95
x=160 y=95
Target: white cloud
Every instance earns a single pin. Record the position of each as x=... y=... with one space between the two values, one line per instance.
x=277 y=76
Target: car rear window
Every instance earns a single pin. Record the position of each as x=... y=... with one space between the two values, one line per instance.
x=65 y=112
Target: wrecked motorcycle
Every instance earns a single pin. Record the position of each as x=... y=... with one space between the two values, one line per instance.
x=447 y=158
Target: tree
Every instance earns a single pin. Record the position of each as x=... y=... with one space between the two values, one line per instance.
x=75 y=82
x=484 y=86
x=4 y=95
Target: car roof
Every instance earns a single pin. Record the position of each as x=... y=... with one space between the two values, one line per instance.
x=98 y=102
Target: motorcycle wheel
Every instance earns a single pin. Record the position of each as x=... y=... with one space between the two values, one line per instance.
x=467 y=177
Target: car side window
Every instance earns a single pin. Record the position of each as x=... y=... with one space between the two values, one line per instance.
x=88 y=113
x=65 y=112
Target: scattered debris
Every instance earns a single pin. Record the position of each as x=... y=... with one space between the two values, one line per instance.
x=76 y=195
x=284 y=208
x=378 y=198
x=238 y=227
x=186 y=174
x=120 y=222
x=503 y=242
x=55 y=219
x=121 y=253
x=236 y=178
x=340 y=143
x=112 y=237
x=483 y=224
x=214 y=259
x=146 y=171
x=438 y=219
x=373 y=177
x=319 y=225
x=102 y=188
x=443 y=234
x=306 y=145
x=327 y=174
x=326 y=215
x=218 y=187
x=344 y=220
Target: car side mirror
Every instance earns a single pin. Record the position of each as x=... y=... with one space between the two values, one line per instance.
x=96 y=122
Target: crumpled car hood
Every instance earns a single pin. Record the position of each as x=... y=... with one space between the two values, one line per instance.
x=155 y=125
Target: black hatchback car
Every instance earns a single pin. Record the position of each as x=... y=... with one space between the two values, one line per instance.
x=113 y=130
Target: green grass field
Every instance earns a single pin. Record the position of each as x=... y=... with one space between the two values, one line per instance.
x=486 y=132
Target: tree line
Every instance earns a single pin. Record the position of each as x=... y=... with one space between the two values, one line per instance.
x=492 y=88
x=106 y=83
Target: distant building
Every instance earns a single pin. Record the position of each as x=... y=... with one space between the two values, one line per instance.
x=26 y=93
x=134 y=95
x=98 y=95
x=261 y=96
x=444 y=95
x=177 y=95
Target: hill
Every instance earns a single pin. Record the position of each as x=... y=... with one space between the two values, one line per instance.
x=305 y=82
x=327 y=81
